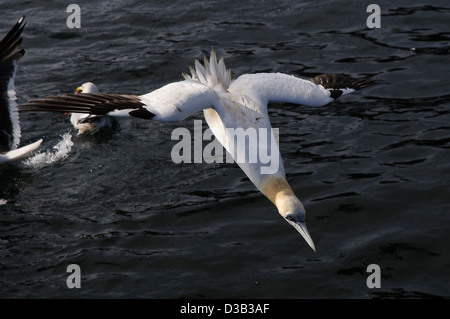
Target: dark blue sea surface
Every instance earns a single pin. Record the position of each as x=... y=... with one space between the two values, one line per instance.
x=372 y=168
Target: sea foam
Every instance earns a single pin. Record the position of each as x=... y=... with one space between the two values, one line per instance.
x=60 y=151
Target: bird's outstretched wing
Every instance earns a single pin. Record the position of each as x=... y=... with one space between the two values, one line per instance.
x=172 y=102
x=279 y=87
x=10 y=53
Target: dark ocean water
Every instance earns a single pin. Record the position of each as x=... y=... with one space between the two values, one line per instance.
x=372 y=168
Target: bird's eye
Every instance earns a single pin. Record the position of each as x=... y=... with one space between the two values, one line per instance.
x=290 y=218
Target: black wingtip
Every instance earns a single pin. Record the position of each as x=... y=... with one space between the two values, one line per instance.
x=97 y=104
x=342 y=81
x=338 y=83
x=10 y=44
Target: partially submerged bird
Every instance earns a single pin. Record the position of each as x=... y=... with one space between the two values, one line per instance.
x=229 y=106
x=10 y=133
x=88 y=123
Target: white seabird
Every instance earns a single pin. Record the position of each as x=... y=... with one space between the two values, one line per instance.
x=227 y=104
x=10 y=54
x=88 y=123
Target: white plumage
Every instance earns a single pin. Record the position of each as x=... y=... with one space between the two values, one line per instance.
x=88 y=123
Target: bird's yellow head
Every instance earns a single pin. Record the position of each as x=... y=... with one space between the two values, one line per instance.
x=289 y=206
x=87 y=87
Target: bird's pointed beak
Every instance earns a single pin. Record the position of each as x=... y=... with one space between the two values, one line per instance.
x=78 y=90
x=302 y=229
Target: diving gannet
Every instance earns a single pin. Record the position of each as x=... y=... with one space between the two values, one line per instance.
x=10 y=54
x=228 y=105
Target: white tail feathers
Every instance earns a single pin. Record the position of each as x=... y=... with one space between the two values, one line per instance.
x=211 y=73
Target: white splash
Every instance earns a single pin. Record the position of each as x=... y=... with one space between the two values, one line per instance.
x=61 y=151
